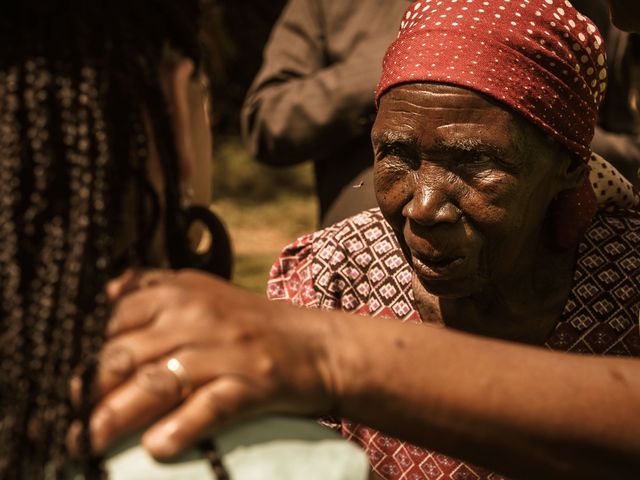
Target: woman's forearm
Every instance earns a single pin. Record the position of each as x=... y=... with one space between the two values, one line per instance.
x=524 y=411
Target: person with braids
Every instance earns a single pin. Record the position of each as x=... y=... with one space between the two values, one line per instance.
x=102 y=127
x=86 y=143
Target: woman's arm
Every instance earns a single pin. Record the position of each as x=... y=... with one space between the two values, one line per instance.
x=522 y=411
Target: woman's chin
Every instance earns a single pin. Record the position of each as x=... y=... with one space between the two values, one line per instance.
x=448 y=288
x=450 y=281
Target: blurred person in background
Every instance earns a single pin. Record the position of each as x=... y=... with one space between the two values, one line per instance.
x=517 y=409
x=312 y=99
x=234 y=35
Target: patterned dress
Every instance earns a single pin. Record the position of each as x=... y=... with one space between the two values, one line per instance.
x=357 y=266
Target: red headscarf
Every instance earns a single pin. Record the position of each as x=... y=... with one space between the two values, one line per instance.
x=542 y=58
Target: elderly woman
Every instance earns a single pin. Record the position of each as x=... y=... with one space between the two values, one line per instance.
x=494 y=219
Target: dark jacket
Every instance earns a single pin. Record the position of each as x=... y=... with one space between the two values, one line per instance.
x=313 y=97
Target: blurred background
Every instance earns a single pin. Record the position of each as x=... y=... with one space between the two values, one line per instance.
x=263 y=208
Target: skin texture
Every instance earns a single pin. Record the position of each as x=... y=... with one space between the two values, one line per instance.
x=466 y=186
x=625 y=14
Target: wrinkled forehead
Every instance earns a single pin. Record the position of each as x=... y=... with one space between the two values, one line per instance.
x=442 y=110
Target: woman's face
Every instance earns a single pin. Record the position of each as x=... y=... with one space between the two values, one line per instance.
x=187 y=101
x=464 y=183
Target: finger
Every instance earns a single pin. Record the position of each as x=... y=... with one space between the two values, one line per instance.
x=230 y=397
x=119 y=285
x=141 y=307
x=74 y=439
x=132 y=280
x=121 y=356
x=149 y=393
x=75 y=391
x=118 y=361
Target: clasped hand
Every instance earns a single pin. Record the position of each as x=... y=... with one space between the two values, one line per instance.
x=186 y=353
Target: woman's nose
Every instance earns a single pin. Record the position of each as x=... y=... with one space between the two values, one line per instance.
x=431 y=205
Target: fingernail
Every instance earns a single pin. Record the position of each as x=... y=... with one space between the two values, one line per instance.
x=158 y=441
x=100 y=428
x=75 y=391
x=116 y=287
x=73 y=439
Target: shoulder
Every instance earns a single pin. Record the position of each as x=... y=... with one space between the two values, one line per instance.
x=290 y=275
x=350 y=236
x=355 y=241
x=614 y=234
x=337 y=267
x=601 y=315
x=334 y=243
x=609 y=258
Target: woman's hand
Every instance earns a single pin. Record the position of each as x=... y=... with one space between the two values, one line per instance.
x=206 y=352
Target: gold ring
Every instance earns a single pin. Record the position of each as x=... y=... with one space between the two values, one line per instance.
x=175 y=366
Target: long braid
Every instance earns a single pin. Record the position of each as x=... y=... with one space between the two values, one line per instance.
x=77 y=80
x=12 y=338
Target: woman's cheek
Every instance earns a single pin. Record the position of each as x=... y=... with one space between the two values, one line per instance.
x=392 y=187
x=495 y=185
x=491 y=200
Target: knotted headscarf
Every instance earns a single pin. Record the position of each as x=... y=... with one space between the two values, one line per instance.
x=541 y=58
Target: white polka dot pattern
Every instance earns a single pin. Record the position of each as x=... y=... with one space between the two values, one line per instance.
x=612 y=190
x=540 y=57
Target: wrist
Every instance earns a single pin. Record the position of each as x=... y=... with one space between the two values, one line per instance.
x=343 y=362
x=328 y=347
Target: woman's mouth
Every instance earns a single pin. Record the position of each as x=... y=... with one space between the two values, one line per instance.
x=437 y=267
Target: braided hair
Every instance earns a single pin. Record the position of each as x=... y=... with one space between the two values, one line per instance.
x=79 y=80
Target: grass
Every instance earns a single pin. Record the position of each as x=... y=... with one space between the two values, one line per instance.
x=263 y=208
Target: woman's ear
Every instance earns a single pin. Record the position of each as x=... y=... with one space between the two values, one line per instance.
x=574 y=171
x=575 y=203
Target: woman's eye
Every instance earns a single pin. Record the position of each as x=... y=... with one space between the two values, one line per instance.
x=481 y=158
x=395 y=152
x=400 y=155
